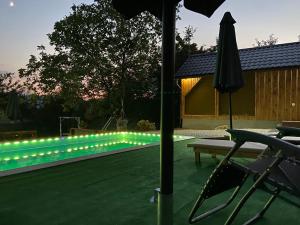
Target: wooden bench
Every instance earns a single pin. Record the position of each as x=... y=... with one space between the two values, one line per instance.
x=221 y=147
x=286 y=123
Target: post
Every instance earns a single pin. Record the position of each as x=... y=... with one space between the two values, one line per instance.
x=167 y=97
x=60 y=129
x=165 y=200
x=230 y=110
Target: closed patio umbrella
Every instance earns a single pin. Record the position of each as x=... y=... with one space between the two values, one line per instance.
x=228 y=76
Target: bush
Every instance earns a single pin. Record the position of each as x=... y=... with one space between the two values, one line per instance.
x=83 y=124
x=145 y=125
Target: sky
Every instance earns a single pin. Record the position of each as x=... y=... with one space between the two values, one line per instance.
x=25 y=23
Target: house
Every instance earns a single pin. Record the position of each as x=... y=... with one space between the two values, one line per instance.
x=271 y=93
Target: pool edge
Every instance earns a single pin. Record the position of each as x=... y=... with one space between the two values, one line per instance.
x=77 y=159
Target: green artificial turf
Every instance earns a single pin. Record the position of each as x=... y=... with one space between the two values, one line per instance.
x=116 y=190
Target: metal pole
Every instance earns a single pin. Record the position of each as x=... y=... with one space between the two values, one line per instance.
x=167 y=97
x=60 y=131
x=230 y=111
x=165 y=200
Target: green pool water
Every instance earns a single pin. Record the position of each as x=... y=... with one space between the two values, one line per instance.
x=23 y=154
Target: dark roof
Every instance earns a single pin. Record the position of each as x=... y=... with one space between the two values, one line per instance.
x=281 y=55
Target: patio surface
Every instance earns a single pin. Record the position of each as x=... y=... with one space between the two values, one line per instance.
x=116 y=190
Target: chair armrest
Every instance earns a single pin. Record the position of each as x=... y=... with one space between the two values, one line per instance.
x=287 y=131
x=287 y=149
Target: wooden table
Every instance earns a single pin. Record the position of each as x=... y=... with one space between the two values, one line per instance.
x=222 y=147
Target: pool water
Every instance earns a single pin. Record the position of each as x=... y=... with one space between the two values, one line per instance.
x=21 y=154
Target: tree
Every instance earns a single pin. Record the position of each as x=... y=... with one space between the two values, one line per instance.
x=213 y=48
x=185 y=46
x=8 y=83
x=97 y=54
x=269 y=42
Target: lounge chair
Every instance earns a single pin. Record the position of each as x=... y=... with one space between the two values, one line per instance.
x=248 y=150
x=289 y=134
x=271 y=173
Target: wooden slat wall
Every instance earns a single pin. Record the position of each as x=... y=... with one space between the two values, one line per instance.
x=282 y=95
x=277 y=94
x=257 y=94
x=188 y=84
x=186 y=87
x=294 y=100
x=298 y=91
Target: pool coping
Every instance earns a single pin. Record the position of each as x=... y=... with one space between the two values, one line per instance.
x=77 y=159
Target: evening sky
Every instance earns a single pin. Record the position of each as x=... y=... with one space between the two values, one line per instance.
x=25 y=25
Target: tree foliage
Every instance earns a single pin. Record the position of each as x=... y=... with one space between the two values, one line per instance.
x=97 y=54
x=8 y=82
x=272 y=40
x=185 y=46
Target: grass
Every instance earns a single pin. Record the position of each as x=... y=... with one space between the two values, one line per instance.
x=116 y=190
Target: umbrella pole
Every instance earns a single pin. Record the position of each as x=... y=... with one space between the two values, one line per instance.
x=230 y=110
x=165 y=195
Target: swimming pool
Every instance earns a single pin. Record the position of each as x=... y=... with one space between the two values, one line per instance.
x=22 y=156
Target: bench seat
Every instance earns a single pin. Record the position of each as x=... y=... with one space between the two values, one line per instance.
x=221 y=147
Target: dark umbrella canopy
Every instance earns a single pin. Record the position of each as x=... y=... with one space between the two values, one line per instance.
x=131 y=8
x=228 y=76
x=204 y=7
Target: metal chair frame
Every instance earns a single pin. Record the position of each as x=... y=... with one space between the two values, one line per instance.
x=283 y=152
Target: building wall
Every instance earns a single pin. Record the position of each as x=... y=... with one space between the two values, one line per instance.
x=200 y=100
x=278 y=94
x=243 y=100
x=268 y=95
x=210 y=124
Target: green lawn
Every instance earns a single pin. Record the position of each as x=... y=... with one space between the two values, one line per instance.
x=116 y=190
